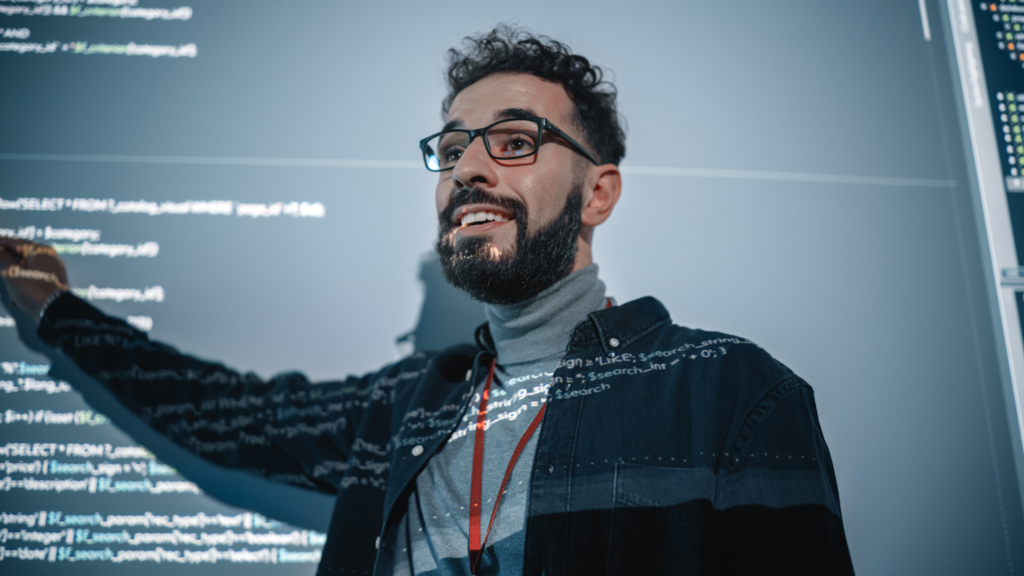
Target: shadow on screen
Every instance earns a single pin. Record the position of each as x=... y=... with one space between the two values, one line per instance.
x=447 y=317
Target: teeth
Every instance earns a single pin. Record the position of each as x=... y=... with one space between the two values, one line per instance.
x=474 y=217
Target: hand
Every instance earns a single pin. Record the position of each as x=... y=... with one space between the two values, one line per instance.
x=32 y=272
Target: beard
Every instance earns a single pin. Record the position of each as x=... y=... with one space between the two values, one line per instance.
x=537 y=261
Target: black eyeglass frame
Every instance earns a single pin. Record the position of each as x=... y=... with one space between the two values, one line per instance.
x=542 y=124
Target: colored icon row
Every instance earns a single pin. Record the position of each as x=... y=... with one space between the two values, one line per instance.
x=1011 y=115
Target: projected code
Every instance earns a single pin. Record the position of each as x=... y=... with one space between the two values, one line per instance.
x=1011 y=118
x=103 y=502
x=73 y=488
x=81 y=470
x=20 y=39
x=78 y=496
x=74 y=242
x=1011 y=38
x=294 y=209
x=53 y=536
x=40 y=471
x=1010 y=113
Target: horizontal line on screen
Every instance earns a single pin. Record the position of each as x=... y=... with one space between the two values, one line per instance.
x=411 y=164
x=790 y=176
x=221 y=160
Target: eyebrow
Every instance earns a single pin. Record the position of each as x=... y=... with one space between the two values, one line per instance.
x=452 y=125
x=506 y=114
x=509 y=113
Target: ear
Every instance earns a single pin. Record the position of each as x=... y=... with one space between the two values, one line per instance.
x=604 y=194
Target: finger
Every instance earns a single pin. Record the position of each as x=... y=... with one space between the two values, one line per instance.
x=33 y=249
x=29 y=275
x=26 y=248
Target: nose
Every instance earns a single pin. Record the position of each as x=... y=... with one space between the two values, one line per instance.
x=475 y=167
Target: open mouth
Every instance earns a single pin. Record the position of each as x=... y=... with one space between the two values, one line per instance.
x=477 y=218
x=479 y=215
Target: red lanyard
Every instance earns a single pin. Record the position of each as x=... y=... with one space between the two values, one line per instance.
x=475 y=489
x=476 y=485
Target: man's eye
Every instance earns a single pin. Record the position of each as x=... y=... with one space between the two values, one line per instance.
x=451 y=154
x=516 y=145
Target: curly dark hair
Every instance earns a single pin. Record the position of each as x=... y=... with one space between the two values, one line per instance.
x=511 y=49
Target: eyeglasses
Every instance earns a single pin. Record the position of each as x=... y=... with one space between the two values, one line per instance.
x=510 y=141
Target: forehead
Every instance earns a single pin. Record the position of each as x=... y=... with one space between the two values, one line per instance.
x=477 y=105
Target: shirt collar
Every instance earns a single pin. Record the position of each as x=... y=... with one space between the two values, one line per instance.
x=625 y=323
x=540 y=327
x=617 y=327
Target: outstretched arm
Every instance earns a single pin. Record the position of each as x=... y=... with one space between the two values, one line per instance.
x=284 y=428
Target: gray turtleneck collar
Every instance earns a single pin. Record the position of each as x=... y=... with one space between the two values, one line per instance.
x=539 y=328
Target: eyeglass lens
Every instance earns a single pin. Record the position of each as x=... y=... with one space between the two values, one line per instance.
x=509 y=140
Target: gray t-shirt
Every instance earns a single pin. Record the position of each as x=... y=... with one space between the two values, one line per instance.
x=531 y=338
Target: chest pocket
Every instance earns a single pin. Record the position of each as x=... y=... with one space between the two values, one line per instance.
x=660 y=519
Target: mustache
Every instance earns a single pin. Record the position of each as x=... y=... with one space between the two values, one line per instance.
x=466 y=196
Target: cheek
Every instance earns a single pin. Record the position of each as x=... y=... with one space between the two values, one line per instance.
x=544 y=197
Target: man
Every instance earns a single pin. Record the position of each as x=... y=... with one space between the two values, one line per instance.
x=575 y=437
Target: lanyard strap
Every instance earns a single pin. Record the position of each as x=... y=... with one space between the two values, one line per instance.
x=476 y=485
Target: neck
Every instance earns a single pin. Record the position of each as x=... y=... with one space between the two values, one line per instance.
x=540 y=327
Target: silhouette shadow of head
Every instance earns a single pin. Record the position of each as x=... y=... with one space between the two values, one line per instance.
x=448 y=315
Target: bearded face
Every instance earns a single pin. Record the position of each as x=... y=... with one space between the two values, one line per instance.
x=534 y=263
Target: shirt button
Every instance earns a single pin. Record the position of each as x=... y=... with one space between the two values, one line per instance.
x=377 y=543
x=417 y=450
x=614 y=342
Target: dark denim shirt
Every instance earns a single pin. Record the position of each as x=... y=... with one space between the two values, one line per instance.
x=664 y=450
